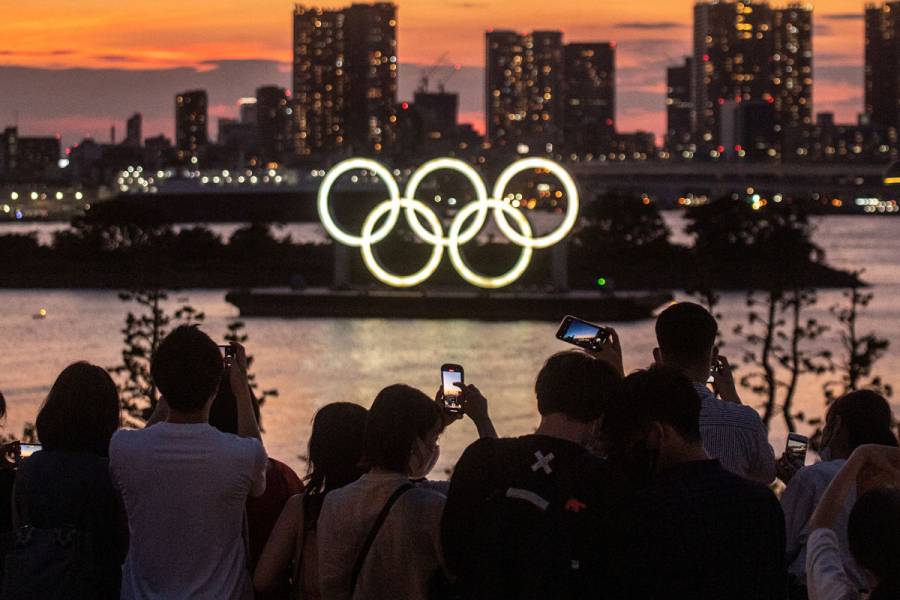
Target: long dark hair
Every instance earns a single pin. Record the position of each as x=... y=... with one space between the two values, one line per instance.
x=81 y=412
x=399 y=415
x=335 y=447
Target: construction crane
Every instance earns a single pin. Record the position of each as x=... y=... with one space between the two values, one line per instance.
x=431 y=70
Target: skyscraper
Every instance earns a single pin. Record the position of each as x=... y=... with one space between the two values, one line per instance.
x=883 y=65
x=679 y=108
x=733 y=49
x=524 y=88
x=273 y=122
x=191 y=131
x=589 y=96
x=133 y=134
x=793 y=79
x=345 y=78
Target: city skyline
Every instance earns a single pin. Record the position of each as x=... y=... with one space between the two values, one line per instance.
x=650 y=37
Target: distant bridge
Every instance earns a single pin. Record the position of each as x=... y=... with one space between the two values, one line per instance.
x=670 y=181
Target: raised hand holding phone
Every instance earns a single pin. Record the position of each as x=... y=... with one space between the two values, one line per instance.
x=601 y=342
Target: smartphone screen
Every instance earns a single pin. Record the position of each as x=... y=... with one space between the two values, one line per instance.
x=581 y=333
x=26 y=450
x=227 y=352
x=796 y=448
x=450 y=376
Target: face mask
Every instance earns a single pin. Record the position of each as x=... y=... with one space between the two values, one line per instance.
x=419 y=467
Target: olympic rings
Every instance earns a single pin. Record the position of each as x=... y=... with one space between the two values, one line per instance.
x=457 y=236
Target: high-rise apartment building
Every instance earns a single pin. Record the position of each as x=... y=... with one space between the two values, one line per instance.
x=679 y=109
x=883 y=65
x=191 y=127
x=273 y=122
x=345 y=78
x=792 y=79
x=133 y=132
x=524 y=88
x=589 y=96
x=733 y=46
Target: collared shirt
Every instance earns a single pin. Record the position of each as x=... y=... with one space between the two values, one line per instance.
x=799 y=500
x=736 y=436
x=698 y=531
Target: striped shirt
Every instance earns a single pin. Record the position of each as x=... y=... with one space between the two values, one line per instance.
x=735 y=435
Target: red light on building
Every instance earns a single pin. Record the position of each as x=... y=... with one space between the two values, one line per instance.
x=738 y=148
x=405 y=106
x=721 y=149
x=721 y=101
x=706 y=58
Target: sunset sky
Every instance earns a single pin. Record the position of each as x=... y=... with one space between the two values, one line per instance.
x=75 y=67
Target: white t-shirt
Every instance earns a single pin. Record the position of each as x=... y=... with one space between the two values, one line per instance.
x=185 y=487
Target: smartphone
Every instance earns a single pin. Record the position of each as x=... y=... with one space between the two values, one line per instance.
x=227 y=352
x=581 y=333
x=451 y=375
x=715 y=367
x=26 y=450
x=797 y=446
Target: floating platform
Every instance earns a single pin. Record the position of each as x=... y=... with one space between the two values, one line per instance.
x=432 y=304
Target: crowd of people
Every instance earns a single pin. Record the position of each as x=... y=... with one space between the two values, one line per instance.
x=654 y=484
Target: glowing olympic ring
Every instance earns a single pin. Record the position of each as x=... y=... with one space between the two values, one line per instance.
x=434 y=233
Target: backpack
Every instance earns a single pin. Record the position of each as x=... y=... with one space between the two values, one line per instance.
x=49 y=564
x=532 y=538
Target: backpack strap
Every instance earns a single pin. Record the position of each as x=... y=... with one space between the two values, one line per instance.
x=373 y=533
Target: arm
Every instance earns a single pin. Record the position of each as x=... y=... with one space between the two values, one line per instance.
x=610 y=352
x=475 y=406
x=762 y=456
x=883 y=458
x=723 y=383
x=237 y=375
x=279 y=549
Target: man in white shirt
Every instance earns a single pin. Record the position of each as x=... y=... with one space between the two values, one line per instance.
x=732 y=432
x=184 y=483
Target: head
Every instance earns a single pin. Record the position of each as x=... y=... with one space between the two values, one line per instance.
x=686 y=335
x=575 y=386
x=187 y=368
x=857 y=418
x=402 y=430
x=873 y=532
x=653 y=423
x=81 y=412
x=336 y=446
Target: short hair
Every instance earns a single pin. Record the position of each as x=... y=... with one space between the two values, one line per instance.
x=866 y=417
x=575 y=384
x=81 y=412
x=659 y=394
x=686 y=333
x=400 y=415
x=873 y=531
x=336 y=446
x=187 y=368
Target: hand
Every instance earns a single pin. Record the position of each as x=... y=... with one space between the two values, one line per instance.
x=475 y=405
x=237 y=370
x=786 y=468
x=447 y=416
x=609 y=352
x=723 y=381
